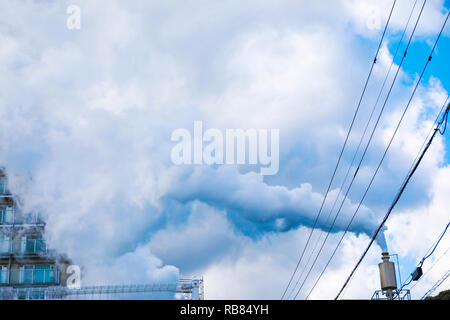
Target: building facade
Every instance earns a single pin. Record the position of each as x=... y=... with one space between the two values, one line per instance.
x=25 y=259
x=29 y=269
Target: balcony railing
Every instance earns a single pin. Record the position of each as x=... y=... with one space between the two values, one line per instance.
x=3 y=187
x=4 y=276
x=31 y=276
x=6 y=215
x=23 y=247
x=31 y=246
x=31 y=218
x=5 y=247
x=9 y=217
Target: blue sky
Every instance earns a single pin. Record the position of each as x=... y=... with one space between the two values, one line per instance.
x=87 y=117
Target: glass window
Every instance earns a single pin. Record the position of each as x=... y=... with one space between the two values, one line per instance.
x=6 y=214
x=3 y=186
x=32 y=217
x=4 y=244
x=30 y=246
x=2 y=214
x=33 y=243
x=3 y=274
x=40 y=246
x=37 y=274
x=43 y=274
x=26 y=274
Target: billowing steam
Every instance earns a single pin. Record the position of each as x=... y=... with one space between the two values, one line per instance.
x=269 y=208
x=381 y=240
x=87 y=115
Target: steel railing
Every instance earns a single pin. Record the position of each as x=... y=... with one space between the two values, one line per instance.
x=403 y=294
x=31 y=247
x=3 y=188
x=185 y=288
x=30 y=276
x=5 y=247
x=10 y=217
x=6 y=215
x=34 y=246
x=4 y=276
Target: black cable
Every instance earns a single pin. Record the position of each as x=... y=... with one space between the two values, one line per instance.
x=436 y=285
x=443 y=233
x=342 y=150
x=428 y=135
x=410 y=174
x=360 y=142
x=434 y=246
x=406 y=283
x=431 y=268
x=436 y=121
x=445 y=126
x=367 y=145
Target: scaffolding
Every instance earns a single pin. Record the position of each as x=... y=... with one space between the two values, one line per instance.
x=403 y=294
x=188 y=289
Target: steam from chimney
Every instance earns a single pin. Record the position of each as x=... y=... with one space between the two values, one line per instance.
x=381 y=240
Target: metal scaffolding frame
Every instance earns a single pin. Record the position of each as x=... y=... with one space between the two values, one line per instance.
x=189 y=289
x=403 y=294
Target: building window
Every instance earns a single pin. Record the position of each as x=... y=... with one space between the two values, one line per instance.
x=6 y=214
x=32 y=218
x=33 y=243
x=3 y=186
x=4 y=244
x=3 y=274
x=37 y=274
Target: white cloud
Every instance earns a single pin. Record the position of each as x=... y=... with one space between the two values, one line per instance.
x=88 y=115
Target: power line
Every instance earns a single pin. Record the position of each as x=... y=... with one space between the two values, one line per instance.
x=410 y=278
x=428 y=135
x=359 y=144
x=431 y=268
x=442 y=235
x=364 y=154
x=436 y=121
x=342 y=150
x=411 y=168
x=436 y=285
x=444 y=119
x=399 y=194
x=415 y=276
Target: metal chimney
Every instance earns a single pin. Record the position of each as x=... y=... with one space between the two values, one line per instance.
x=387 y=275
